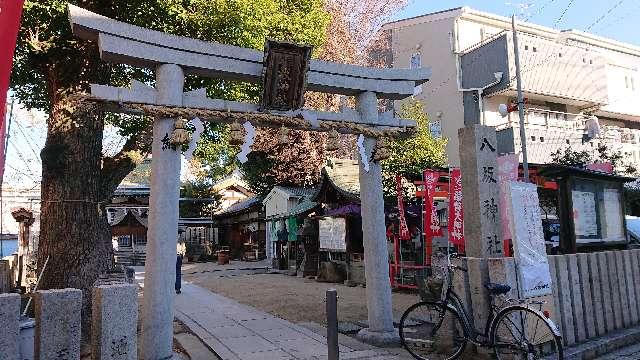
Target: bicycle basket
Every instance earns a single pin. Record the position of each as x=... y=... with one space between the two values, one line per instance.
x=430 y=288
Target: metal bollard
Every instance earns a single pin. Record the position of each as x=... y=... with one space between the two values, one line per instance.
x=332 y=324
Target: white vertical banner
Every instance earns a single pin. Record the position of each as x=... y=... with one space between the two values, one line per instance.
x=529 y=249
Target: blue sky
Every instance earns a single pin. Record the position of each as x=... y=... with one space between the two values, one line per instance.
x=621 y=23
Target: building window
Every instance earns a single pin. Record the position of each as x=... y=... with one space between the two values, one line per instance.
x=541 y=138
x=140 y=239
x=526 y=47
x=124 y=241
x=415 y=62
x=626 y=82
x=534 y=49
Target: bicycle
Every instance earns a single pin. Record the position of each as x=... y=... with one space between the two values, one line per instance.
x=439 y=327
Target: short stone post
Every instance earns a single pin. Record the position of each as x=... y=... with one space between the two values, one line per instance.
x=58 y=324
x=332 y=325
x=10 y=327
x=115 y=322
x=379 y=309
x=160 y=265
x=479 y=169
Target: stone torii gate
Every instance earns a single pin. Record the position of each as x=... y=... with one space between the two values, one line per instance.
x=172 y=57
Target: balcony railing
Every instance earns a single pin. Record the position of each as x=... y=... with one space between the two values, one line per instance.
x=549 y=131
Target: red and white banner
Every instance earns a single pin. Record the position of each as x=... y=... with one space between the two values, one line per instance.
x=404 y=229
x=456 y=213
x=10 y=13
x=431 y=223
x=507 y=171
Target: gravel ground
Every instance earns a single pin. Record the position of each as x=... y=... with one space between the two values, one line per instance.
x=289 y=297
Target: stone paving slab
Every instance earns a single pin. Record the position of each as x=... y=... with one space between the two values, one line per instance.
x=239 y=332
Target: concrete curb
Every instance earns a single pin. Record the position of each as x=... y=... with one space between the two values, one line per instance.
x=603 y=345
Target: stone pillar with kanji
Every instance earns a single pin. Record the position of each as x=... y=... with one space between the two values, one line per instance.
x=478 y=160
x=482 y=221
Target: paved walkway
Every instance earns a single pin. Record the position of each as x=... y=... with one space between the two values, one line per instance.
x=626 y=353
x=236 y=331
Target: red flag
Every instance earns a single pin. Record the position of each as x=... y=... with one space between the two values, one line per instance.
x=456 y=214
x=404 y=230
x=430 y=181
x=10 y=13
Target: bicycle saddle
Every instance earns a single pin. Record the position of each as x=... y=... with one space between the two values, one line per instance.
x=497 y=289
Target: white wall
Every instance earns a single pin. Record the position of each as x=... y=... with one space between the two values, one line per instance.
x=440 y=94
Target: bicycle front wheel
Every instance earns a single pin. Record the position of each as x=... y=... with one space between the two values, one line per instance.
x=520 y=333
x=431 y=331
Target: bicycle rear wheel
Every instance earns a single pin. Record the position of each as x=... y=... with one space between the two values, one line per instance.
x=520 y=333
x=431 y=331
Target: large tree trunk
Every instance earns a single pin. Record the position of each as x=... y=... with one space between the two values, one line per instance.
x=74 y=232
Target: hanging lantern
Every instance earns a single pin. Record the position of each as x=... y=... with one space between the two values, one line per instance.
x=333 y=142
x=180 y=135
x=380 y=152
x=284 y=136
x=236 y=137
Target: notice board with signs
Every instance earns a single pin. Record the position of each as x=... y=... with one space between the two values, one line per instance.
x=332 y=233
x=530 y=254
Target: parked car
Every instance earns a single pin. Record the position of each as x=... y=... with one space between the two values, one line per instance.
x=633 y=228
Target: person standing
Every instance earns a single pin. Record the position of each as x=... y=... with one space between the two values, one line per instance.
x=178 y=273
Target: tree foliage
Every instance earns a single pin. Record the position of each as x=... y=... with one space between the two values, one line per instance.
x=199 y=199
x=604 y=153
x=51 y=64
x=409 y=157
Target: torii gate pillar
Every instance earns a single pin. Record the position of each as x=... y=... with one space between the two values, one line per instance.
x=379 y=306
x=157 y=311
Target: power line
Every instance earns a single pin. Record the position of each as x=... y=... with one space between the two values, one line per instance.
x=539 y=9
x=605 y=14
x=555 y=24
x=21 y=156
x=27 y=140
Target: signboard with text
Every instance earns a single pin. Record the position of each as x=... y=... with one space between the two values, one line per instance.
x=332 y=234
x=528 y=240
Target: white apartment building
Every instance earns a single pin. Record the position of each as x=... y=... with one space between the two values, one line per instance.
x=568 y=77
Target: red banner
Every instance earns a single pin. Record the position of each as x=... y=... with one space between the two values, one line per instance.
x=431 y=223
x=456 y=213
x=404 y=230
x=10 y=13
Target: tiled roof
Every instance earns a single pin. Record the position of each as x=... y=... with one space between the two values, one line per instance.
x=344 y=176
x=138 y=177
x=233 y=179
x=240 y=206
x=297 y=191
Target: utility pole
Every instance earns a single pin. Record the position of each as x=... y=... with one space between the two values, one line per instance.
x=523 y=136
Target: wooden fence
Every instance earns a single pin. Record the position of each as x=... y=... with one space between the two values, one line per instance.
x=593 y=294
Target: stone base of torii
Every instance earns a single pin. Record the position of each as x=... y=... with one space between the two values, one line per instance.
x=172 y=57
